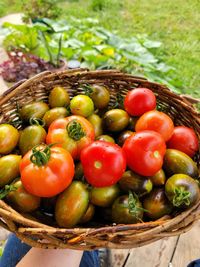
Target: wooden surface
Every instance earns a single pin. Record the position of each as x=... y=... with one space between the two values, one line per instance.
x=168 y=252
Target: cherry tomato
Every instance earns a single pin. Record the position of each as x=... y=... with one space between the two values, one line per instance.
x=33 y=110
x=123 y=136
x=58 y=97
x=158 y=178
x=182 y=190
x=157 y=204
x=103 y=163
x=156 y=121
x=144 y=152
x=8 y=138
x=21 y=200
x=72 y=133
x=96 y=121
x=82 y=105
x=106 y=138
x=54 y=114
x=185 y=140
x=138 y=101
x=115 y=120
x=45 y=171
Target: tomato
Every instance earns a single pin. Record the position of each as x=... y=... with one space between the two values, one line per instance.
x=158 y=178
x=21 y=200
x=103 y=163
x=106 y=138
x=99 y=94
x=96 y=121
x=33 y=110
x=88 y=214
x=123 y=136
x=46 y=171
x=9 y=168
x=82 y=105
x=127 y=209
x=72 y=204
x=156 y=121
x=138 y=101
x=104 y=196
x=72 y=133
x=58 y=97
x=182 y=191
x=8 y=138
x=157 y=204
x=144 y=152
x=54 y=114
x=185 y=140
x=31 y=136
x=115 y=120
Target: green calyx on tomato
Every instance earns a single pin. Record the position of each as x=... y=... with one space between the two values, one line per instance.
x=133 y=205
x=75 y=131
x=181 y=196
x=37 y=121
x=40 y=157
x=6 y=190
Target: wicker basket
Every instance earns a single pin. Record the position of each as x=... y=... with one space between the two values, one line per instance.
x=40 y=235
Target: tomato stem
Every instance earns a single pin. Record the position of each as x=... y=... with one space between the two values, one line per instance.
x=75 y=130
x=6 y=190
x=181 y=197
x=133 y=205
x=37 y=121
x=40 y=157
x=87 y=89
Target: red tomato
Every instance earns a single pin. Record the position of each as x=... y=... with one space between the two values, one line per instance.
x=185 y=140
x=103 y=163
x=72 y=133
x=45 y=171
x=156 y=121
x=144 y=152
x=138 y=101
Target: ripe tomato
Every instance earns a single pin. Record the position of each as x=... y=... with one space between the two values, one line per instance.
x=185 y=140
x=45 y=171
x=138 y=101
x=103 y=163
x=72 y=133
x=156 y=121
x=144 y=152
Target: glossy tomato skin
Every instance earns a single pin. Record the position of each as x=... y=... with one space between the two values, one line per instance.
x=54 y=114
x=103 y=163
x=33 y=110
x=106 y=138
x=9 y=137
x=58 y=97
x=123 y=136
x=22 y=200
x=50 y=179
x=138 y=101
x=144 y=152
x=82 y=105
x=185 y=140
x=156 y=121
x=61 y=132
x=115 y=120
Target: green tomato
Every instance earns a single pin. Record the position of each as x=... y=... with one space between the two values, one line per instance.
x=54 y=114
x=58 y=97
x=33 y=110
x=96 y=121
x=104 y=196
x=71 y=205
x=99 y=94
x=21 y=200
x=88 y=214
x=9 y=169
x=82 y=105
x=123 y=136
x=31 y=136
x=9 y=137
x=106 y=138
x=115 y=120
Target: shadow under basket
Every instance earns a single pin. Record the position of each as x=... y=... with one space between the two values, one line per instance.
x=40 y=235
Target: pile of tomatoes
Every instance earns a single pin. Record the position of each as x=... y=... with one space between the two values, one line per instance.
x=81 y=161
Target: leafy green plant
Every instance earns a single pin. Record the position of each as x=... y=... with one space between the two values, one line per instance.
x=93 y=46
x=34 y=9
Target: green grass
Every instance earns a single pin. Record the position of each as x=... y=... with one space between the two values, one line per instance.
x=174 y=23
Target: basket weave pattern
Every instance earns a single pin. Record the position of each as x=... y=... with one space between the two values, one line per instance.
x=40 y=235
